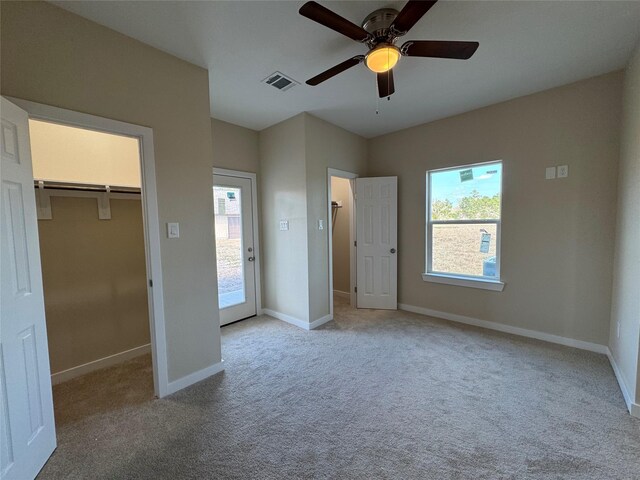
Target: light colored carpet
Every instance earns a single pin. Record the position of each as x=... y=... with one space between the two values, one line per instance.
x=374 y=394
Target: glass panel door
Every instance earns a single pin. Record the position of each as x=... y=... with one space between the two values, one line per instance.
x=234 y=247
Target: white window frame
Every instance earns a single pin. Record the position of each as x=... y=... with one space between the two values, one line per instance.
x=461 y=280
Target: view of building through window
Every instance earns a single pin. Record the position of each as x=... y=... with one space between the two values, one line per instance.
x=463 y=231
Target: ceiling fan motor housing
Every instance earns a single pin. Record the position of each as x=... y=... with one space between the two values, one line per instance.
x=377 y=24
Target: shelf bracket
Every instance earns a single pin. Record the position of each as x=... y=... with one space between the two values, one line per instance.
x=43 y=203
x=104 y=205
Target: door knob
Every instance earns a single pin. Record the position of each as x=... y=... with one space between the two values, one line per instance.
x=393 y=250
x=251 y=259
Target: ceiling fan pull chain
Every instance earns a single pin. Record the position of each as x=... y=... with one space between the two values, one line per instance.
x=377 y=101
x=388 y=84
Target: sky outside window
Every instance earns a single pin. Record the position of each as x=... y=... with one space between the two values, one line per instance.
x=448 y=185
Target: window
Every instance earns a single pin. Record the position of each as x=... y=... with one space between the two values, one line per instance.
x=463 y=225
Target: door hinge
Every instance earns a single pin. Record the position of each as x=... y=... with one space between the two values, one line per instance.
x=355 y=244
x=150 y=283
x=356 y=289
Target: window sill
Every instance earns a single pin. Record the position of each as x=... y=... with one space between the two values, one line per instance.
x=481 y=283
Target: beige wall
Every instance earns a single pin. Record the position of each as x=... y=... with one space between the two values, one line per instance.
x=556 y=234
x=341 y=249
x=234 y=147
x=55 y=57
x=67 y=154
x=95 y=281
x=294 y=158
x=327 y=146
x=283 y=197
x=625 y=311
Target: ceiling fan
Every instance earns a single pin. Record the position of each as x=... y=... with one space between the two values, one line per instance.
x=379 y=32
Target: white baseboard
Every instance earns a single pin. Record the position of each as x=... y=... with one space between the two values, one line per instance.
x=296 y=321
x=634 y=408
x=105 y=362
x=287 y=318
x=194 y=377
x=341 y=294
x=523 y=332
x=320 y=321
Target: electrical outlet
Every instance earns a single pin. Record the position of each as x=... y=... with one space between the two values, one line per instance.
x=284 y=225
x=320 y=224
x=563 y=171
x=550 y=173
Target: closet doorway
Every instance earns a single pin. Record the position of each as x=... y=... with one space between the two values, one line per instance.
x=92 y=251
x=151 y=220
x=342 y=239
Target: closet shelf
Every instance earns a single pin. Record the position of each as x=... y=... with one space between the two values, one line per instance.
x=84 y=187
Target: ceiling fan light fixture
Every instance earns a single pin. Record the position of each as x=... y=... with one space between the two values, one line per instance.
x=382 y=58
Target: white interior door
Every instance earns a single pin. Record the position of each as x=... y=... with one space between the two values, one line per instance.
x=235 y=251
x=377 y=236
x=27 y=436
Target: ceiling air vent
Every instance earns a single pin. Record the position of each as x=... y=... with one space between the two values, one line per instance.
x=280 y=81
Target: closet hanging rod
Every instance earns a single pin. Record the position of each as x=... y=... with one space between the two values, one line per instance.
x=47 y=185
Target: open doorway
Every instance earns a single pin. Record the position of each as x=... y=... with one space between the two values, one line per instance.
x=342 y=239
x=92 y=251
x=27 y=393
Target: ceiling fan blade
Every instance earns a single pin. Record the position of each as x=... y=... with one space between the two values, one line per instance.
x=333 y=71
x=439 y=49
x=326 y=17
x=409 y=15
x=385 y=84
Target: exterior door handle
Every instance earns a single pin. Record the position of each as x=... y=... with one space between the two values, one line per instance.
x=251 y=259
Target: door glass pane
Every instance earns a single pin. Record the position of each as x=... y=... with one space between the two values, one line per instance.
x=229 y=248
x=465 y=249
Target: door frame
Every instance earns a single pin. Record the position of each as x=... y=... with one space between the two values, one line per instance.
x=256 y=226
x=334 y=172
x=150 y=218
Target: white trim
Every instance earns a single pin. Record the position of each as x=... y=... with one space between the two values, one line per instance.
x=341 y=294
x=482 y=283
x=195 y=377
x=287 y=318
x=321 y=321
x=334 y=172
x=296 y=321
x=256 y=226
x=501 y=327
x=99 y=364
x=429 y=224
x=634 y=408
x=150 y=216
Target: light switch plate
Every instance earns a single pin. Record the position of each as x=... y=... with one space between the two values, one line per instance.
x=563 y=171
x=284 y=225
x=550 y=173
x=320 y=224
x=173 y=230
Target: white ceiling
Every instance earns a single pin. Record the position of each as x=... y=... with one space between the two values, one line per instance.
x=525 y=47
